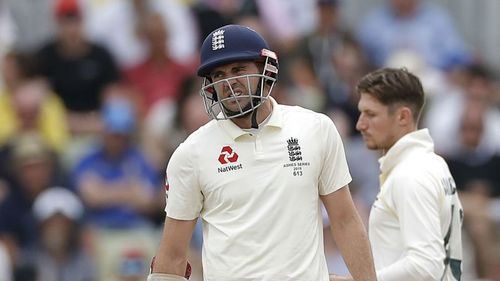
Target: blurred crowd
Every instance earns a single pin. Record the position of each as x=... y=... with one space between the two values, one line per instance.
x=96 y=94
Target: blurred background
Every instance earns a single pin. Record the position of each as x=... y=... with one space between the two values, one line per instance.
x=96 y=94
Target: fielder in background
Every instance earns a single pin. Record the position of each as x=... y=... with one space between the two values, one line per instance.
x=256 y=175
x=415 y=223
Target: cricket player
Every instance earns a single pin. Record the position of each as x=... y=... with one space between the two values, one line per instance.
x=257 y=175
x=415 y=223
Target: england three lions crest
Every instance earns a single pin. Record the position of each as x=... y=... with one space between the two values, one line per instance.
x=294 y=152
x=295 y=156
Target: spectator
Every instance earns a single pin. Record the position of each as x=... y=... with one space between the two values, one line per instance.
x=321 y=47
x=26 y=96
x=33 y=108
x=60 y=256
x=114 y=179
x=474 y=160
x=32 y=170
x=78 y=70
x=475 y=169
x=113 y=24
x=419 y=26
x=158 y=78
x=444 y=112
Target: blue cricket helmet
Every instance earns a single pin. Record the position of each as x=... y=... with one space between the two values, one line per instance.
x=229 y=44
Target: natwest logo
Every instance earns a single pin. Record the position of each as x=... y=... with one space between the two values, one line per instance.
x=227 y=155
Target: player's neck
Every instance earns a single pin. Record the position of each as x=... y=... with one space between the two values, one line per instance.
x=400 y=134
x=263 y=112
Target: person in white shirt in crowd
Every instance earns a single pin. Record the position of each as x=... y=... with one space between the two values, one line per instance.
x=60 y=254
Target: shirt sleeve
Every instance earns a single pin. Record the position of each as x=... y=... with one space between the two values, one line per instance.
x=416 y=200
x=334 y=173
x=184 y=196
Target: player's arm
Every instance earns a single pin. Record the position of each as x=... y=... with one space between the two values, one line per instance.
x=350 y=234
x=171 y=258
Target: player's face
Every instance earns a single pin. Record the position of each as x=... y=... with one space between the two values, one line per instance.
x=377 y=124
x=234 y=87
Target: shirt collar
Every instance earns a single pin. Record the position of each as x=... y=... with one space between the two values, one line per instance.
x=276 y=120
x=419 y=140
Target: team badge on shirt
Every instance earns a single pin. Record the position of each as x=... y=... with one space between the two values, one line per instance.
x=295 y=157
x=294 y=152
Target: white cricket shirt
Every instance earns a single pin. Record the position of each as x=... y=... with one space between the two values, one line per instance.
x=258 y=194
x=412 y=214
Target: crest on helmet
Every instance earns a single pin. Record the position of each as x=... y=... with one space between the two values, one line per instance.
x=218 y=40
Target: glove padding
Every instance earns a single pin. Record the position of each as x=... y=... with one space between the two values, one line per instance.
x=165 y=277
